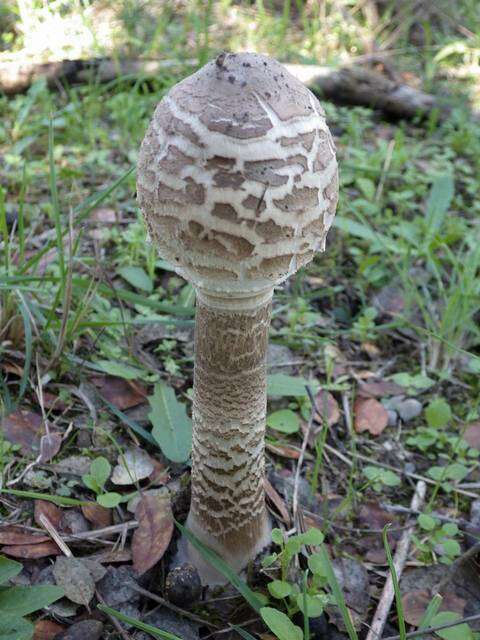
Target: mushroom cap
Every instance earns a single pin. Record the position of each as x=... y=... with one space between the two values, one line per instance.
x=237 y=176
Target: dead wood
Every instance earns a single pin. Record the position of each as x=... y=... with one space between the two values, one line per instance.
x=347 y=85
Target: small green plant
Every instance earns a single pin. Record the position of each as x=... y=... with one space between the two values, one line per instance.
x=438 y=540
x=18 y=602
x=379 y=477
x=96 y=479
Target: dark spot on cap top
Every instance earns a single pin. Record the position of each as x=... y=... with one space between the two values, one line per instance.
x=220 y=59
x=231 y=79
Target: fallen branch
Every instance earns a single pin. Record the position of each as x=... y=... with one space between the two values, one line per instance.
x=347 y=85
x=399 y=560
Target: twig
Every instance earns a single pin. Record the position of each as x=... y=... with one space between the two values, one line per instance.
x=67 y=552
x=399 y=560
x=447 y=625
x=169 y=605
x=302 y=455
x=45 y=522
x=401 y=472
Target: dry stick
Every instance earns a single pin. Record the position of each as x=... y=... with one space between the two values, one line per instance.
x=399 y=560
x=67 y=552
x=301 y=456
x=415 y=476
x=447 y=625
x=169 y=605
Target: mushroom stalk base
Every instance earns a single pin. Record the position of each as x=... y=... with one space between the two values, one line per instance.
x=228 y=510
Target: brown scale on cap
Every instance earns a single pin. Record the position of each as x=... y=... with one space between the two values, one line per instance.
x=258 y=144
x=237 y=180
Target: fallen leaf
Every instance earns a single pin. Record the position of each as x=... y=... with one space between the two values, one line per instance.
x=11 y=535
x=372 y=516
x=91 y=629
x=326 y=405
x=47 y=630
x=159 y=475
x=103 y=214
x=96 y=569
x=370 y=416
x=472 y=435
x=32 y=551
x=415 y=604
x=24 y=428
x=283 y=451
x=154 y=532
x=49 y=446
x=48 y=509
x=123 y=394
x=53 y=402
x=74 y=576
x=133 y=465
x=277 y=502
x=99 y=516
x=379 y=388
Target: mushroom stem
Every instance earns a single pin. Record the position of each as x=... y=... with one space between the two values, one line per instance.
x=228 y=510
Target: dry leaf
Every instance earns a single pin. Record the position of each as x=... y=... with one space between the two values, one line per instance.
x=159 y=475
x=73 y=575
x=155 y=529
x=283 y=451
x=11 y=535
x=103 y=214
x=49 y=446
x=472 y=435
x=91 y=629
x=52 y=401
x=379 y=389
x=326 y=405
x=277 y=502
x=32 y=551
x=24 y=428
x=48 y=509
x=370 y=416
x=47 y=630
x=415 y=604
x=123 y=394
x=99 y=516
x=134 y=465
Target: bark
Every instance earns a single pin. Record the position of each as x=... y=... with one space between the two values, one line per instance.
x=229 y=407
x=347 y=85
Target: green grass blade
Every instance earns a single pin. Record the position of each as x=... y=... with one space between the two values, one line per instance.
x=27 y=328
x=222 y=567
x=55 y=203
x=61 y=501
x=337 y=594
x=396 y=588
x=432 y=610
x=156 y=633
x=143 y=433
x=242 y=632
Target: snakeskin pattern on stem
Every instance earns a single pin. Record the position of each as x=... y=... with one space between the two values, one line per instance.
x=229 y=407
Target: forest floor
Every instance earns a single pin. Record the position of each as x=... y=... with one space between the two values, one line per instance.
x=96 y=355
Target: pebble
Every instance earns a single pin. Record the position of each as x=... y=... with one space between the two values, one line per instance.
x=392 y=418
x=409 y=409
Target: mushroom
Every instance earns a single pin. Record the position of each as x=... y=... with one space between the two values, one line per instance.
x=238 y=184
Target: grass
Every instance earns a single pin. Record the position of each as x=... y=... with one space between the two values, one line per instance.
x=78 y=281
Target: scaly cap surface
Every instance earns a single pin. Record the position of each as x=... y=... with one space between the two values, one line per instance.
x=237 y=175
